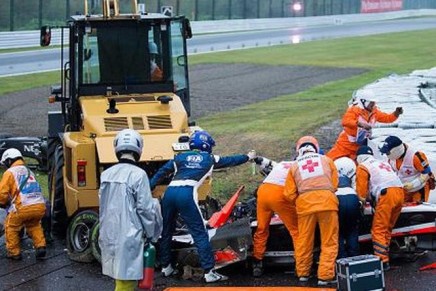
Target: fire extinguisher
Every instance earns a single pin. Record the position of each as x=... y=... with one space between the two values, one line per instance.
x=148 y=271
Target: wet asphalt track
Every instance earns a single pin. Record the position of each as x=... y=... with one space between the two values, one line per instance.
x=57 y=272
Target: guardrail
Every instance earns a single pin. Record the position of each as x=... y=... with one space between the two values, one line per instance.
x=21 y=39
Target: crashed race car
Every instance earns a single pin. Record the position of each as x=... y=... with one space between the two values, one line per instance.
x=413 y=235
x=34 y=148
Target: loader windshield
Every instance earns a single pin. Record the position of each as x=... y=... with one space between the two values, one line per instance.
x=122 y=54
x=129 y=56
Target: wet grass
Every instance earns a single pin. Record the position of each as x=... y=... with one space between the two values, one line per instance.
x=24 y=82
x=395 y=52
x=26 y=49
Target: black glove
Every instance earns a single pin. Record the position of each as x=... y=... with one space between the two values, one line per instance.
x=398 y=111
x=258 y=160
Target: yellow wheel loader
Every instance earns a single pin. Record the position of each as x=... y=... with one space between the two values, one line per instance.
x=123 y=70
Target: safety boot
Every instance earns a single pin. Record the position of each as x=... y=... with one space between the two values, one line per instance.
x=212 y=276
x=14 y=257
x=257 y=268
x=40 y=253
x=327 y=282
x=169 y=271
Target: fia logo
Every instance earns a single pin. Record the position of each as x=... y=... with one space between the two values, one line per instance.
x=194 y=158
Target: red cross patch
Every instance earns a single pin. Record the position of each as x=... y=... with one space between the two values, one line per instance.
x=310 y=165
x=385 y=167
x=286 y=165
x=408 y=172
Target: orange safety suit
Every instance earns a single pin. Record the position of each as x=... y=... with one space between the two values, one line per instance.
x=311 y=185
x=377 y=179
x=408 y=167
x=156 y=73
x=346 y=145
x=270 y=200
x=22 y=193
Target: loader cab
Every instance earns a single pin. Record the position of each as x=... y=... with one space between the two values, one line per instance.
x=120 y=56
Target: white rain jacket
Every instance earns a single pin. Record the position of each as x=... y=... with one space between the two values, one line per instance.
x=128 y=215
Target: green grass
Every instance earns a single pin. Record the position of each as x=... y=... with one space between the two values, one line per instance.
x=392 y=52
x=272 y=127
x=25 y=49
x=24 y=82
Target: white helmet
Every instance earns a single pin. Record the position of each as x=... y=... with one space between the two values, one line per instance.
x=128 y=141
x=346 y=167
x=353 y=100
x=10 y=154
x=307 y=144
x=152 y=48
x=364 y=98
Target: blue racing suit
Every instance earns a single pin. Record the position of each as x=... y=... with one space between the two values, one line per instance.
x=190 y=169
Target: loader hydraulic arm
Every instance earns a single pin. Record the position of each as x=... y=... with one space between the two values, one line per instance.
x=111 y=8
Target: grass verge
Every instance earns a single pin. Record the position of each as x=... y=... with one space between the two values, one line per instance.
x=24 y=82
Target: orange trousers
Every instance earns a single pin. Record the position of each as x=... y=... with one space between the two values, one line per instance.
x=30 y=218
x=270 y=200
x=329 y=230
x=343 y=149
x=387 y=211
x=416 y=196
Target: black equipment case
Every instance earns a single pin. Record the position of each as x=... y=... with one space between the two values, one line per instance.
x=360 y=273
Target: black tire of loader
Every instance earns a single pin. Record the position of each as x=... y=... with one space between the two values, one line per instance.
x=56 y=185
x=52 y=144
x=79 y=236
x=95 y=247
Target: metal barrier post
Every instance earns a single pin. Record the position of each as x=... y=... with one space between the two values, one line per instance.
x=11 y=18
x=40 y=13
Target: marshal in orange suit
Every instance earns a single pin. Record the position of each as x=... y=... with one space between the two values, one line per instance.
x=357 y=123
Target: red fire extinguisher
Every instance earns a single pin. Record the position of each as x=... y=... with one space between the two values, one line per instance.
x=148 y=272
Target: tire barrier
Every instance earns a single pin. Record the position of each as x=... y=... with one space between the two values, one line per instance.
x=428 y=96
